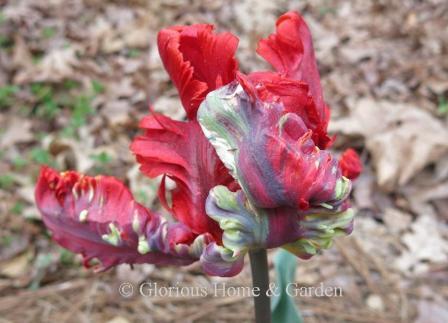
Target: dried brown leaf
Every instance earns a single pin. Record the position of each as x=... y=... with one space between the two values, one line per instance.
x=402 y=138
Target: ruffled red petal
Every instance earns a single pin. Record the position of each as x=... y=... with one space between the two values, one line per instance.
x=198 y=61
x=294 y=95
x=180 y=151
x=290 y=51
x=99 y=218
x=350 y=164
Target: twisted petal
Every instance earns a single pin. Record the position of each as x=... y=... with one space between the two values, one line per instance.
x=217 y=260
x=180 y=151
x=303 y=233
x=270 y=154
x=98 y=217
x=242 y=230
x=350 y=164
x=290 y=51
x=198 y=61
x=294 y=96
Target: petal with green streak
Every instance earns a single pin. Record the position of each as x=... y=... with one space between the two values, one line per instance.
x=269 y=152
x=246 y=227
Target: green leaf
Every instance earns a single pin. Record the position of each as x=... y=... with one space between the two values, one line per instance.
x=66 y=257
x=134 y=52
x=5 y=41
x=17 y=208
x=41 y=91
x=81 y=110
x=97 y=86
x=48 y=109
x=48 y=32
x=6 y=181
x=6 y=241
x=41 y=156
x=443 y=106
x=2 y=18
x=102 y=158
x=71 y=84
x=19 y=162
x=6 y=93
x=283 y=307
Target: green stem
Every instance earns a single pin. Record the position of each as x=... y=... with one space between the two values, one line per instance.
x=260 y=279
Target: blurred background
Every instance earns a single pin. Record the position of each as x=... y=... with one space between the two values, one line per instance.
x=76 y=76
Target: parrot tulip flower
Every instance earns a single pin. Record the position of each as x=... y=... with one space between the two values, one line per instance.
x=291 y=191
x=249 y=164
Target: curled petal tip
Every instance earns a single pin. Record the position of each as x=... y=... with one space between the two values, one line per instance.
x=180 y=151
x=350 y=164
x=304 y=233
x=98 y=218
x=198 y=61
x=220 y=261
x=290 y=51
x=242 y=230
x=295 y=97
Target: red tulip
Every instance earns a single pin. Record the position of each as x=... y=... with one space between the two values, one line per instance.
x=213 y=208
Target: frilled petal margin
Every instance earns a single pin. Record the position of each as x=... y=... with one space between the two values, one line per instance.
x=180 y=151
x=290 y=51
x=217 y=260
x=198 y=61
x=302 y=233
x=269 y=153
x=350 y=164
x=98 y=218
x=295 y=97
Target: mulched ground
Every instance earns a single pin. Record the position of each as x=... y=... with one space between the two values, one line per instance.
x=76 y=76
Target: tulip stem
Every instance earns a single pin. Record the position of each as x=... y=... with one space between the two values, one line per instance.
x=260 y=279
